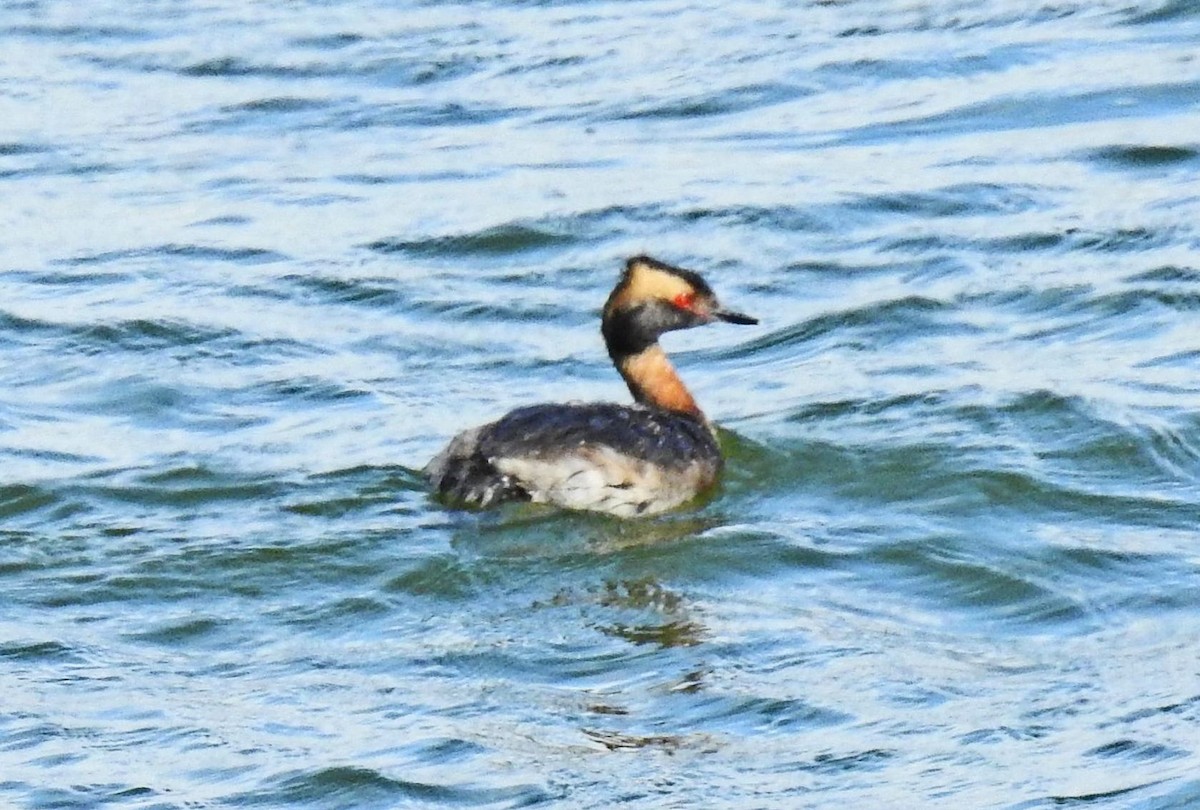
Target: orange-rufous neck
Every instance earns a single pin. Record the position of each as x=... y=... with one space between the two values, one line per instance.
x=653 y=381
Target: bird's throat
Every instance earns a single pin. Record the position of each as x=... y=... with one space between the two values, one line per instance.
x=653 y=381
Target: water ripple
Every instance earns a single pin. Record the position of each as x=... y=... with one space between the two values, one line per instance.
x=260 y=262
x=363 y=786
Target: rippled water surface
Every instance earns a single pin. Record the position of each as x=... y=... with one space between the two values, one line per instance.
x=258 y=261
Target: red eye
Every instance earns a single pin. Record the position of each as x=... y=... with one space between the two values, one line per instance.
x=684 y=300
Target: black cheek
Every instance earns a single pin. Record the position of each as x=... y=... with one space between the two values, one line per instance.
x=629 y=331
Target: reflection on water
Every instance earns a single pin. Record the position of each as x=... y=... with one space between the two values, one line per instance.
x=676 y=628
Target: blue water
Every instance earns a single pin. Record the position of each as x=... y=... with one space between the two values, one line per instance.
x=259 y=261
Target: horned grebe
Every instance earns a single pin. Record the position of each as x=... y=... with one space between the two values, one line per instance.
x=620 y=459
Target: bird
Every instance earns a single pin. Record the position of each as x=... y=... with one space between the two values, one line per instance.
x=625 y=460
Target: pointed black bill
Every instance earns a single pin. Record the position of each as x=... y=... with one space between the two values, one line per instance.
x=734 y=317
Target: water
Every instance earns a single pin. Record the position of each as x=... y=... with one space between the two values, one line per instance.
x=260 y=260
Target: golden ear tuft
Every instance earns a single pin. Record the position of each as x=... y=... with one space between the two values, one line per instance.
x=646 y=282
